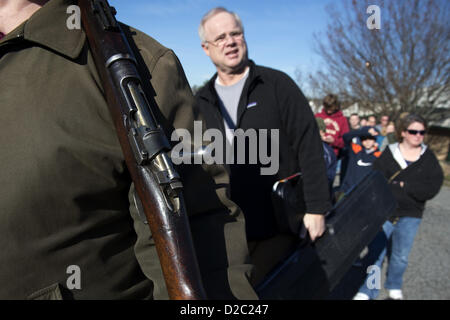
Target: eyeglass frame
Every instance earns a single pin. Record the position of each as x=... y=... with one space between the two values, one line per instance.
x=236 y=35
x=415 y=132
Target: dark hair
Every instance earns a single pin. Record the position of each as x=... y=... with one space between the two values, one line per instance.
x=406 y=121
x=368 y=136
x=331 y=102
x=398 y=125
x=354 y=114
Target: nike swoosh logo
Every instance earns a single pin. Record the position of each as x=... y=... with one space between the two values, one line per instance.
x=363 y=164
x=251 y=105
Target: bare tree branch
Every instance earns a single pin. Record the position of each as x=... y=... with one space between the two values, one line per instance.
x=403 y=66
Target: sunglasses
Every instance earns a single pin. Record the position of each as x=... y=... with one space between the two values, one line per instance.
x=414 y=132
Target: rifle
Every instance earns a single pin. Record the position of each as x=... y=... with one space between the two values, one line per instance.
x=145 y=149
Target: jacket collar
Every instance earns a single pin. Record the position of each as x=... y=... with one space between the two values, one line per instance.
x=397 y=155
x=48 y=28
x=208 y=92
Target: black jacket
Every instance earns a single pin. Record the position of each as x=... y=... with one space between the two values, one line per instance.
x=271 y=100
x=359 y=162
x=422 y=181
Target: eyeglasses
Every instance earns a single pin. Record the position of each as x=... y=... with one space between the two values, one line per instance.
x=414 y=132
x=222 y=39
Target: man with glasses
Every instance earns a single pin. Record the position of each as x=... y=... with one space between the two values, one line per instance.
x=243 y=95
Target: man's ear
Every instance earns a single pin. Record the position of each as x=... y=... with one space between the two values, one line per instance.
x=205 y=48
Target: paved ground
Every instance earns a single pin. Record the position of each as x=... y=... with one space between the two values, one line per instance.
x=428 y=273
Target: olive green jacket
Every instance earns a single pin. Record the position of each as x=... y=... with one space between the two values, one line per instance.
x=67 y=229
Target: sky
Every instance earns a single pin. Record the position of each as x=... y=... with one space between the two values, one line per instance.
x=279 y=33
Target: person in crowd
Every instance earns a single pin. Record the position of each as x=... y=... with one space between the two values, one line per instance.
x=328 y=153
x=362 y=152
x=382 y=126
x=363 y=122
x=371 y=121
x=336 y=123
x=390 y=136
x=243 y=95
x=337 y=126
x=69 y=210
x=354 y=124
x=393 y=133
x=415 y=176
x=353 y=121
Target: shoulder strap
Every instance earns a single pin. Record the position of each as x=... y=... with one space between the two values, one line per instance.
x=394 y=175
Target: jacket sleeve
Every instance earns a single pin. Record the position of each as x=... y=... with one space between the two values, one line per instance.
x=364 y=131
x=217 y=224
x=430 y=181
x=303 y=132
x=385 y=163
x=348 y=138
x=338 y=137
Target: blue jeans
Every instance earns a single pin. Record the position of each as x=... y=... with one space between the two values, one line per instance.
x=396 y=240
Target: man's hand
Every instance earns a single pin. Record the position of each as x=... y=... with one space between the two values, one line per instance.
x=315 y=224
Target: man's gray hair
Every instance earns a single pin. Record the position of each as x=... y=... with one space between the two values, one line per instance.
x=211 y=13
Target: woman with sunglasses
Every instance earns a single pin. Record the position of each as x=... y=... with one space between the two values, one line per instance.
x=415 y=176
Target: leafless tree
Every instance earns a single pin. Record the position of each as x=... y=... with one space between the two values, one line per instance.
x=401 y=67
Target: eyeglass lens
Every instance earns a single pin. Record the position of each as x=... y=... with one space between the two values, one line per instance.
x=414 y=132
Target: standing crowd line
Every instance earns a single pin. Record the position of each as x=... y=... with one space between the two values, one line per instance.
x=410 y=167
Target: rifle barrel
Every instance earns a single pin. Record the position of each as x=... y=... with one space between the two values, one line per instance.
x=145 y=148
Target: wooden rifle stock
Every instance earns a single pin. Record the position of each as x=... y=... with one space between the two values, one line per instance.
x=145 y=149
